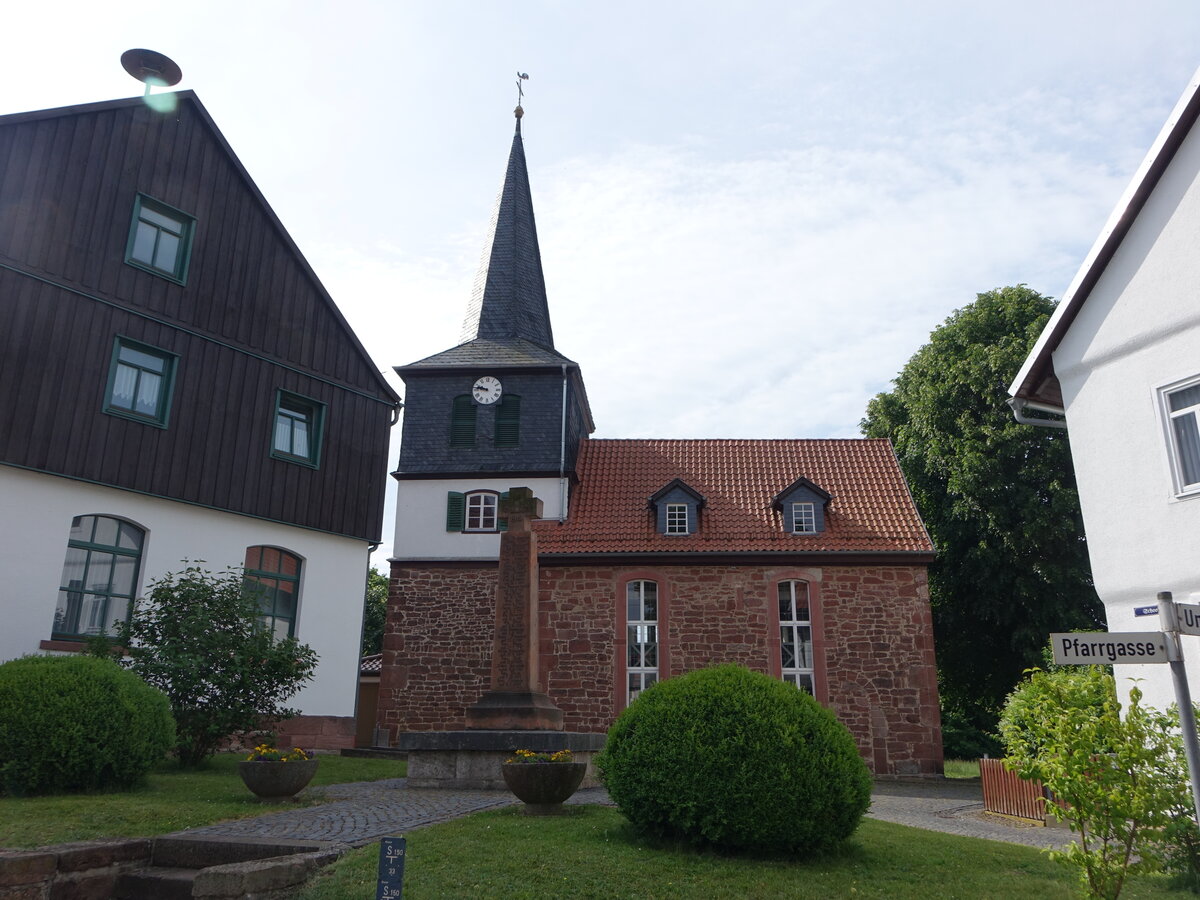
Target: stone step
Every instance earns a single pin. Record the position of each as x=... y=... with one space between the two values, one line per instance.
x=201 y=850
x=155 y=883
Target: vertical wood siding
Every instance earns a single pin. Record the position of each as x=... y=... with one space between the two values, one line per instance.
x=68 y=184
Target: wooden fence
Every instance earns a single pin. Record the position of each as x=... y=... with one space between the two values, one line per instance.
x=1005 y=793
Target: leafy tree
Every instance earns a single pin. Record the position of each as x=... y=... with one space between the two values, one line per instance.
x=1119 y=778
x=374 y=613
x=197 y=637
x=998 y=499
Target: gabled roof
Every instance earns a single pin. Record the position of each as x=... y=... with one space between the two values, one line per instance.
x=384 y=390
x=676 y=483
x=509 y=298
x=1036 y=382
x=801 y=482
x=871 y=512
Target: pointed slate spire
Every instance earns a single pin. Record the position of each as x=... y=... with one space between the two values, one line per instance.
x=509 y=297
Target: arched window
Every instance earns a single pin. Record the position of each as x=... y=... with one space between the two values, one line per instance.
x=641 y=616
x=462 y=421
x=273 y=579
x=795 y=635
x=99 y=576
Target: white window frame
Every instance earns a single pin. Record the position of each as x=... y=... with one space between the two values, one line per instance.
x=804 y=518
x=1173 y=419
x=795 y=631
x=641 y=636
x=677 y=519
x=481 y=511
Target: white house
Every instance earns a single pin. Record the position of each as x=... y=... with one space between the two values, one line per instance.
x=1120 y=359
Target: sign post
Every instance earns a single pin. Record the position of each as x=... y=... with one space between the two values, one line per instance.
x=1183 y=694
x=391 y=868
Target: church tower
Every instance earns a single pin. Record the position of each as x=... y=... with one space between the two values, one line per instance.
x=502 y=409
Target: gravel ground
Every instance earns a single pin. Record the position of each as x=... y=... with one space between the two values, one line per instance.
x=362 y=812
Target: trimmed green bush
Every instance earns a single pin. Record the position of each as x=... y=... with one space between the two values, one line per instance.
x=737 y=760
x=73 y=723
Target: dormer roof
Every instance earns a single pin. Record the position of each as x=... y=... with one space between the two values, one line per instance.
x=800 y=484
x=676 y=484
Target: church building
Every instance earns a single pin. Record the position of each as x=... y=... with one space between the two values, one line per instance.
x=802 y=559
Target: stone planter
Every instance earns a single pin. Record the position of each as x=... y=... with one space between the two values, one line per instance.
x=277 y=780
x=543 y=787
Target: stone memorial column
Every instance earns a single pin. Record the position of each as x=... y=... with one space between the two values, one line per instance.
x=514 y=702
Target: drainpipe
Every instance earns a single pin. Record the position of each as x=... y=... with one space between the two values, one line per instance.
x=562 y=453
x=1019 y=406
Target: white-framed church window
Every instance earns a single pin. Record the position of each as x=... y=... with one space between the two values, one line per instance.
x=641 y=616
x=795 y=635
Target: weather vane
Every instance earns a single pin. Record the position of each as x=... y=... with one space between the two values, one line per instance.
x=521 y=76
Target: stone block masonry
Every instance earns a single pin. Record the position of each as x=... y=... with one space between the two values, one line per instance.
x=872 y=629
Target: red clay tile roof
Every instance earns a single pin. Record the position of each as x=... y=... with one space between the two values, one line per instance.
x=871 y=510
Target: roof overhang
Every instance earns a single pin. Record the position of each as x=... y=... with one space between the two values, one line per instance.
x=1036 y=383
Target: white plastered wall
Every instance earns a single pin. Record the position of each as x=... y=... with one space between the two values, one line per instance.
x=1139 y=331
x=421 y=517
x=34 y=529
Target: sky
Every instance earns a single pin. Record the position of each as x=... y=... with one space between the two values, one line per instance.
x=751 y=215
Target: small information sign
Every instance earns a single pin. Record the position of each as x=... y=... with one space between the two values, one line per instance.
x=1145 y=610
x=1105 y=648
x=391 y=868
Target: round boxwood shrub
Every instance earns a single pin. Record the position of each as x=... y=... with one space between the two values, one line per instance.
x=735 y=759
x=71 y=723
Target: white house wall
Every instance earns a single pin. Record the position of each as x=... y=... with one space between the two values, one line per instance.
x=34 y=533
x=1138 y=331
x=421 y=517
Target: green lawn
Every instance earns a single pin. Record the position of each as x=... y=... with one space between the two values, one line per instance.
x=962 y=768
x=591 y=852
x=172 y=799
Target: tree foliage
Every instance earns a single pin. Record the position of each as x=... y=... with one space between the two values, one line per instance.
x=197 y=638
x=374 y=613
x=1120 y=779
x=997 y=497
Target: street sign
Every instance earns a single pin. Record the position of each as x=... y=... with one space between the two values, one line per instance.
x=1187 y=618
x=1145 y=610
x=1104 y=648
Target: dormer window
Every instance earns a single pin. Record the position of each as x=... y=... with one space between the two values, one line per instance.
x=677 y=518
x=676 y=509
x=802 y=507
x=804 y=518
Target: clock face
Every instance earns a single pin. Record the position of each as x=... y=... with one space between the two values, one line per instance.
x=486 y=389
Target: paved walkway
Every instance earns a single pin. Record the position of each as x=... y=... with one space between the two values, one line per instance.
x=360 y=813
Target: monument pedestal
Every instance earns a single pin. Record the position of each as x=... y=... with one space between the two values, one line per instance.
x=514 y=711
x=470 y=760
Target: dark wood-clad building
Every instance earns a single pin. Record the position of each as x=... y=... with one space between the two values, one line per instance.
x=175 y=383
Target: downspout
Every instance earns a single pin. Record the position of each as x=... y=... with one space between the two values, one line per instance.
x=1019 y=406
x=562 y=454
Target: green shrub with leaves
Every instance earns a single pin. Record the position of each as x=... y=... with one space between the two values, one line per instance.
x=738 y=760
x=1118 y=776
x=75 y=723
x=197 y=637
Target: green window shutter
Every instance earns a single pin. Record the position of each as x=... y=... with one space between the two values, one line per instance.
x=462 y=422
x=508 y=421
x=501 y=523
x=456 y=505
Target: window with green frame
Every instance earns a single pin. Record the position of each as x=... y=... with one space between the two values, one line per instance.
x=160 y=239
x=462 y=421
x=298 y=425
x=99 y=576
x=140 y=381
x=273 y=579
x=508 y=421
